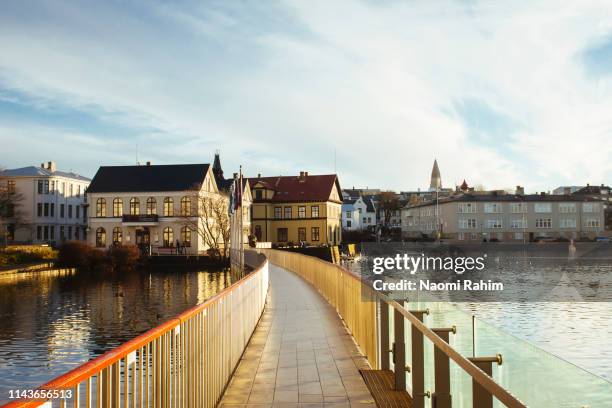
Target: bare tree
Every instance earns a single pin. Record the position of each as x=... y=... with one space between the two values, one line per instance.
x=207 y=214
x=389 y=202
x=11 y=215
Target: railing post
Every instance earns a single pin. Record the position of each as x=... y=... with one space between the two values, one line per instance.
x=441 y=398
x=384 y=335
x=418 y=362
x=482 y=398
x=399 y=351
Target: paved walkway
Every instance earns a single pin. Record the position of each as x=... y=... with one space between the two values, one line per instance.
x=300 y=355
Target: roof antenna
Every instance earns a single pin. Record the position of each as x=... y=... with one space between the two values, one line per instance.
x=137 y=162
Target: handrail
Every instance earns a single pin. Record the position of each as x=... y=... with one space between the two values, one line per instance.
x=478 y=375
x=112 y=357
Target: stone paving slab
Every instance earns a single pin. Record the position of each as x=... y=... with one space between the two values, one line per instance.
x=300 y=355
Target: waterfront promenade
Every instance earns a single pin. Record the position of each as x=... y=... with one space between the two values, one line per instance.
x=300 y=354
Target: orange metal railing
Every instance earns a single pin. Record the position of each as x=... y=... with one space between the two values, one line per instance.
x=185 y=362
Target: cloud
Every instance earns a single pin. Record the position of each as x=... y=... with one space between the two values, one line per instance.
x=501 y=95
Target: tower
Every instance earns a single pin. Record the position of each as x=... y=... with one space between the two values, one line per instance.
x=217 y=170
x=436 y=180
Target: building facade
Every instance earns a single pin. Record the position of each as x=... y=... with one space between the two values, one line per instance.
x=505 y=217
x=52 y=206
x=158 y=207
x=297 y=209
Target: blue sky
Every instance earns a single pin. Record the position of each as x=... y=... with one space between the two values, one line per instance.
x=501 y=94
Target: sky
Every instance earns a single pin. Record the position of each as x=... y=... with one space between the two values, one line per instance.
x=501 y=93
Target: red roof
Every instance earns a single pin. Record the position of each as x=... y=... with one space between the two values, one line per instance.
x=298 y=188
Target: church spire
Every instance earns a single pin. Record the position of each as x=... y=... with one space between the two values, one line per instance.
x=436 y=180
x=217 y=170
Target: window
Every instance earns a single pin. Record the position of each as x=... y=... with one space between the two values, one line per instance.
x=117 y=207
x=69 y=210
x=466 y=208
x=348 y=214
x=543 y=223
x=258 y=194
x=493 y=208
x=168 y=236
x=117 y=235
x=78 y=194
x=314 y=211
x=288 y=213
x=39 y=233
x=52 y=188
x=494 y=224
x=151 y=206
x=467 y=223
x=461 y=236
x=543 y=207
x=46 y=186
x=590 y=207
x=302 y=211
x=62 y=233
x=518 y=235
x=314 y=234
x=46 y=211
x=258 y=232
x=39 y=209
x=592 y=223
x=134 y=206
x=282 y=234
x=186 y=236
x=518 y=208
x=52 y=210
x=168 y=207
x=71 y=194
x=186 y=206
x=40 y=188
x=101 y=207
x=64 y=189
x=301 y=234
x=566 y=208
x=77 y=233
x=518 y=223
x=62 y=206
x=46 y=232
x=278 y=212
x=567 y=223
x=100 y=237
x=10 y=186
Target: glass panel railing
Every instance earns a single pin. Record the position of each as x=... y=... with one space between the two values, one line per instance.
x=536 y=377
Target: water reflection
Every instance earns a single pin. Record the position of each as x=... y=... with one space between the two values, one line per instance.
x=54 y=321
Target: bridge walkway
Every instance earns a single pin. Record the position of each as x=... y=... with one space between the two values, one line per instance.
x=301 y=354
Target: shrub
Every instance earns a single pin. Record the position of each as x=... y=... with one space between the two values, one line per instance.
x=123 y=257
x=74 y=254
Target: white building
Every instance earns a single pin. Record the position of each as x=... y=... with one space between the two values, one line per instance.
x=358 y=214
x=151 y=206
x=53 y=204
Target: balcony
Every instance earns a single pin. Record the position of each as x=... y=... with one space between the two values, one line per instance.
x=140 y=220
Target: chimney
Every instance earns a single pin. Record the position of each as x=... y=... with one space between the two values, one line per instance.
x=520 y=190
x=42 y=165
x=51 y=166
x=301 y=174
x=542 y=193
x=148 y=163
x=258 y=175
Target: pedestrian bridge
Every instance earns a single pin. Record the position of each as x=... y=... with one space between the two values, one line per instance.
x=296 y=331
